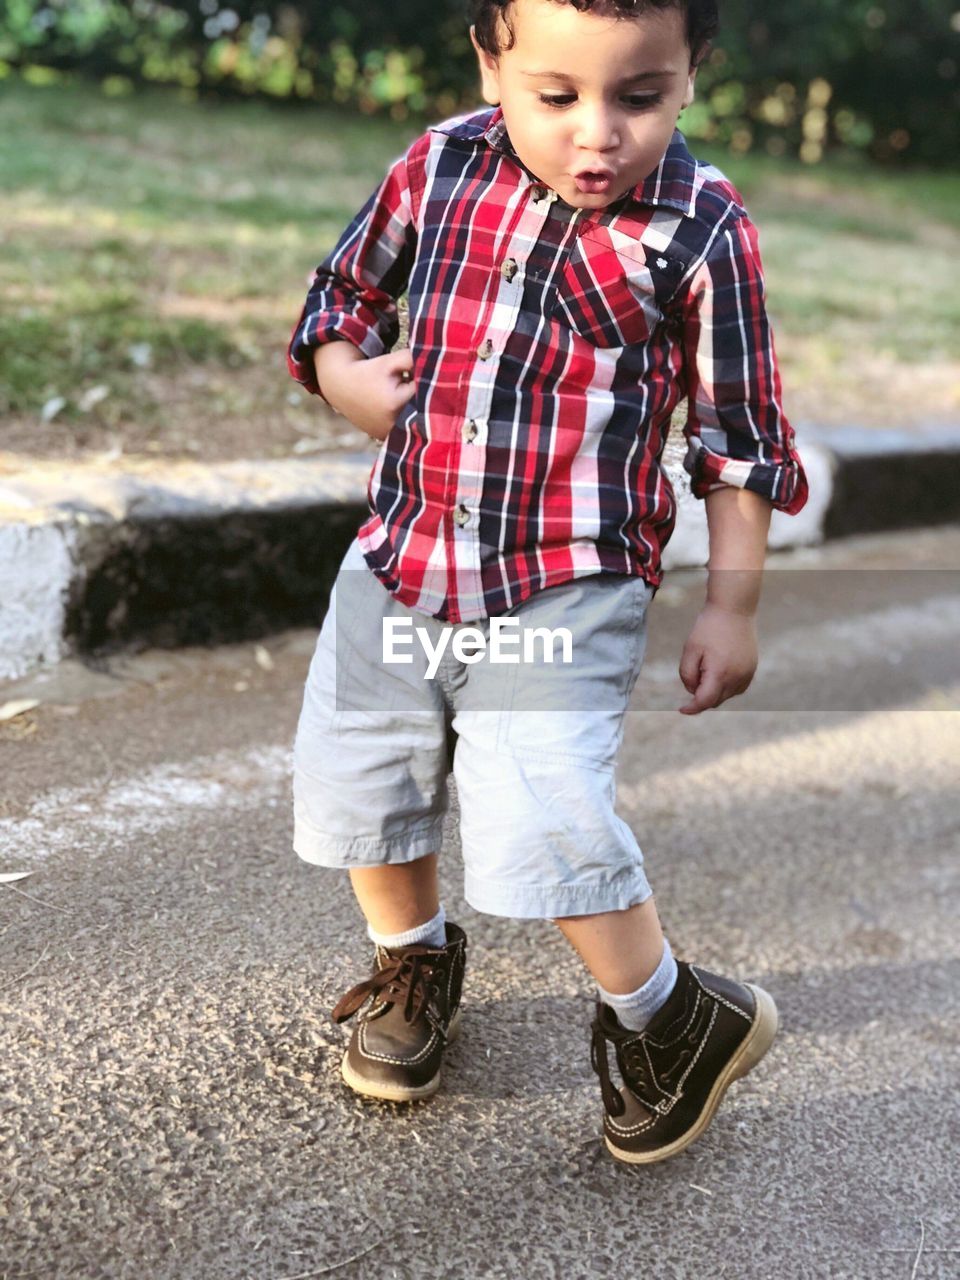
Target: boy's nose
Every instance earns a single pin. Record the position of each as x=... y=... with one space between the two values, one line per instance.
x=596 y=132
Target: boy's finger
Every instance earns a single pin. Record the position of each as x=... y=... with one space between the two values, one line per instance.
x=709 y=693
x=690 y=661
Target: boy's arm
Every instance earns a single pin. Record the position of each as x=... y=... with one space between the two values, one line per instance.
x=352 y=296
x=740 y=456
x=737 y=523
x=720 y=656
x=329 y=361
x=737 y=433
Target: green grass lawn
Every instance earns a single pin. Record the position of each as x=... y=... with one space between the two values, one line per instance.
x=154 y=255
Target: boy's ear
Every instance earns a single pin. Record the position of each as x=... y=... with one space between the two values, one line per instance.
x=689 y=92
x=489 y=72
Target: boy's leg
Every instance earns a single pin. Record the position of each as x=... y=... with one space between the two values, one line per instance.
x=630 y=959
x=679 y=1041
x=369 y=791
x=622 y=949
x=397 y=897
x=535 y=771
x=535 y=758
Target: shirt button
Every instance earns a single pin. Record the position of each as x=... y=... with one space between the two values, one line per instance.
x=485 y=349
x=508 y=269
x=470 y=431
x=461 y=515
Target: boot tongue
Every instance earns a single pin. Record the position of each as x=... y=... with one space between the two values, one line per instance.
x=609 y=1020
x=410 y=986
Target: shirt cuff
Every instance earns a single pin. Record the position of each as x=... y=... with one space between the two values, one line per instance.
x=784 y=484
x=344 y=328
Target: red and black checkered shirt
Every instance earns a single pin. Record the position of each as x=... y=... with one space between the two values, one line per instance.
x=550 y=348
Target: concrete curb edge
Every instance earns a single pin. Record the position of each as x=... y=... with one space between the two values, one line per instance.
x=91 y=562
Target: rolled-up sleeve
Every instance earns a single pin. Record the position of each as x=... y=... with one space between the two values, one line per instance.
x=736 y=431
x=354 y=291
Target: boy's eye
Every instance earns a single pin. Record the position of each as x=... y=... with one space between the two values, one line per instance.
x=637 y=102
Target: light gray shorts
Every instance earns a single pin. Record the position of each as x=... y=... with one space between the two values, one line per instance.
x=532 y=745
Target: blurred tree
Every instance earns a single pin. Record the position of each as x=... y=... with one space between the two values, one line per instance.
x=881 y=76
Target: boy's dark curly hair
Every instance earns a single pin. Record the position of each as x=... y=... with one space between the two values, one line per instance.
x=702 y=19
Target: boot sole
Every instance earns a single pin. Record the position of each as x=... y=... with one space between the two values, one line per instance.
x=397 y=1092
x=758 y=1041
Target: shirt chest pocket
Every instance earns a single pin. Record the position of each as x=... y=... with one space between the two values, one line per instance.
x=613 y=294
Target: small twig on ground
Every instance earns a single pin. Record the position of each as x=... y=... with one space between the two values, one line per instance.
x=916 y=1261
x=39 y=960
x=308 y=1275
x=67 y=911
x=932 y=1249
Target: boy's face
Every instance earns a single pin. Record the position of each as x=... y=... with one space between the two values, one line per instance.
x=614 y=104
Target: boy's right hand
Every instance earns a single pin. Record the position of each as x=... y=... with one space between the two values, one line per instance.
x=369 y=392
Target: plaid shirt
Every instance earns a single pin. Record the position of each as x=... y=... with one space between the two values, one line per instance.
x=550 y=347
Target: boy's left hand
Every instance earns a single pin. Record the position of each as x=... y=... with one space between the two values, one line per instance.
x=719 y=658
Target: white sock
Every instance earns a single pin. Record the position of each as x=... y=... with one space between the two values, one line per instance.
x=636 y=1008
x=431 y=934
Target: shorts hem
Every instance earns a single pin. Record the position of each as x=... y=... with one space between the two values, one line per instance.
x=366 y=851
x=553 y=901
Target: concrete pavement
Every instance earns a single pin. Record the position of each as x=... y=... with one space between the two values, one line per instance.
x=169 y=1088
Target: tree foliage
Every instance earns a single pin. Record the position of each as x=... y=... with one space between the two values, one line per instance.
x=880 y=76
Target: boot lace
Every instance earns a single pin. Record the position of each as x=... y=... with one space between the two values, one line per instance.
x=632 y=1064
x=413 y=977
x=612 y=1100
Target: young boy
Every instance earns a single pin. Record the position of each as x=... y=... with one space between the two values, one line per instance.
x=572 y=273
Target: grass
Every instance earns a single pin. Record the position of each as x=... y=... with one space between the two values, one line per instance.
x=147 y=237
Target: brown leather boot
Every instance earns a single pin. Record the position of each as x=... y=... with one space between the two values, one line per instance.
x=397 y=1046
x=710 y=1032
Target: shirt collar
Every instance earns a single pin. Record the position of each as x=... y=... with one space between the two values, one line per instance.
x=673 y=184
x=496 y=133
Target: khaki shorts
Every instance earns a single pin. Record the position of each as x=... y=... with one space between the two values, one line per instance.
x=532 y=744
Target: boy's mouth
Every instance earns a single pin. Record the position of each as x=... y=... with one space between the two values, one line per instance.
x=593 y=182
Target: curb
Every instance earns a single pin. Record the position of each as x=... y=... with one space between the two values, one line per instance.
x=92 y=560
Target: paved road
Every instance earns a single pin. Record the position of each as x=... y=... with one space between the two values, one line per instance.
x=170 y=1103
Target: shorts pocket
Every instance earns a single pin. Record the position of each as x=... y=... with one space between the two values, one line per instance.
x=572 y=713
